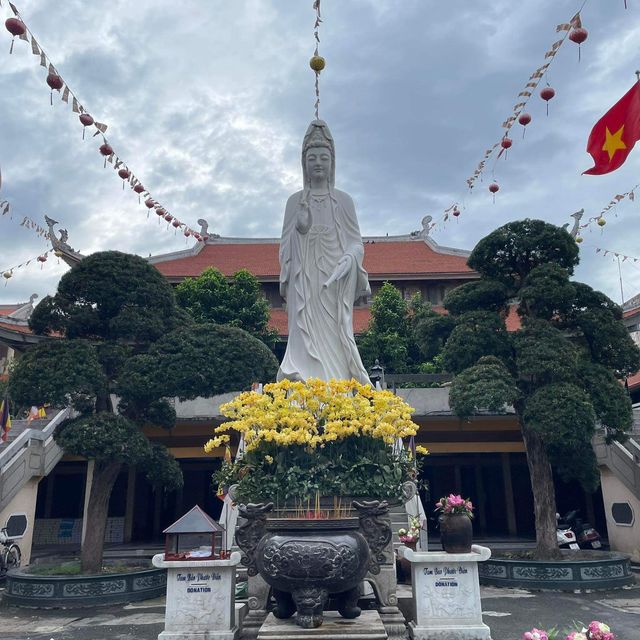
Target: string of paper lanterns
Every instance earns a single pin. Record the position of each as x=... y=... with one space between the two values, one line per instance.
x=7 y=273
x=17 y=27
x=577 y=34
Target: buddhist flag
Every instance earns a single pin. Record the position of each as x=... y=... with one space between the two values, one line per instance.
x=5 y=420
x=615 y=134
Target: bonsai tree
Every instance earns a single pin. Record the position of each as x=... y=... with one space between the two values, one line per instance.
x=237 y=302
x=119 y=346
x=561 y=370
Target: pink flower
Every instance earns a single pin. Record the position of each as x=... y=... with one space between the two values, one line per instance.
x=599 y=631
x=535 y=634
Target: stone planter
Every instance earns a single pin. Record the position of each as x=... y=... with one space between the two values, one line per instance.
x=306 y=561
x=456 y=533
x=27 y=590
x=594 y=570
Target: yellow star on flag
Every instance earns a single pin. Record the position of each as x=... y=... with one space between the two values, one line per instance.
x=613 y=142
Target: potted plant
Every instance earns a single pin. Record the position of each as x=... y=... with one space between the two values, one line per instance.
x=456 y=532
x=310 y=449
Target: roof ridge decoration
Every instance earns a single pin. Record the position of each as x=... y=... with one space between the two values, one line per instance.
x=22 y=314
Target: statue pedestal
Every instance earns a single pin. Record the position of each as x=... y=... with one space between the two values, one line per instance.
x=200 y=599
x=446 y=594
x=368 y=626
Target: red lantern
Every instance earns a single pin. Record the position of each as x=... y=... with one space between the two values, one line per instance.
x=524 y=120
x=168 y=217
x=494 y=188
x=197 y=236
x=42 y=259
x=456 y=212
x=15 y=27
x=546 y=94
x=86 y=121
x=187 y=233
x=160 y=212
x=578 y=35
x=124 y=174
x=55 y=82
x=138 y=188
x=176 y=223
x=506 y=143
x=106 y=150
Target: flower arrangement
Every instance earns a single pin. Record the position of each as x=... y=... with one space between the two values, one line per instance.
x=535 y=634
x=595 y=631
x=412 y=534
x=456 y=504
x=316 y=438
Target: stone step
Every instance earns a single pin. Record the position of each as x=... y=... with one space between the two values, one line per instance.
x=366 y=627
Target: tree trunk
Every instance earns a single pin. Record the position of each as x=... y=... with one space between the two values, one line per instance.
x=104 y=477
x=544 y=498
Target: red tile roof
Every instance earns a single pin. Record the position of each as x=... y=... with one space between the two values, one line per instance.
x=18 y=328
x=513 y=320
x=6 y=309
x=634 y=380
x=381 y=258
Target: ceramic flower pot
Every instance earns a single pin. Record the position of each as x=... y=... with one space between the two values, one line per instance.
x=456 y=532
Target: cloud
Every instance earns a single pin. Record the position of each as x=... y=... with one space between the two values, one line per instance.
x=208 y=102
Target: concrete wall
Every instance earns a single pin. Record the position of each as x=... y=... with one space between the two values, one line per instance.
x=624 y=538
x=23 y=502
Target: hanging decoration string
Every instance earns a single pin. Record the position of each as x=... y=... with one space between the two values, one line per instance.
x=617 y=254
x=518 y=109
x=7 y=274
x=518 y=113
x=27 y=222
x=317 y=62
x=56 y=82
x=599 y=219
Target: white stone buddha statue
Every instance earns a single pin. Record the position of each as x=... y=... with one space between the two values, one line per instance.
x=321 y=272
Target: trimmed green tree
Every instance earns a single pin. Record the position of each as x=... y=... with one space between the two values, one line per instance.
x=118 y=347
x=237 y=302
x=394 y=330
x=561 y=371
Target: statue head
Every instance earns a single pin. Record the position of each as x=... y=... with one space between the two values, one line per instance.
x=318 y=136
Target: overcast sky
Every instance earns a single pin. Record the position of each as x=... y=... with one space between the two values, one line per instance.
x=207 y=102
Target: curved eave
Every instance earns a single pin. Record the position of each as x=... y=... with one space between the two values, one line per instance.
x=19 y=340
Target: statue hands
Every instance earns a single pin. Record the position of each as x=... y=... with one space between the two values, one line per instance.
x=342 y=269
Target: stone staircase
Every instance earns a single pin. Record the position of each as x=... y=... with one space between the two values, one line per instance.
x=623 y=459
x=30 y=451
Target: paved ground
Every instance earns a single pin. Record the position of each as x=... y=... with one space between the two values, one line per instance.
x=508 y=612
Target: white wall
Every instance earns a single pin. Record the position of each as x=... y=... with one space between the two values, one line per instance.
x=23 y=502
x=622 y=538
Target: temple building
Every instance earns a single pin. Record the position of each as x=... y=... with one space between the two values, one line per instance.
x=482 y=458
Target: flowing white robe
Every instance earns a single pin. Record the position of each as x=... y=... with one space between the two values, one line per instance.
x=321 y=343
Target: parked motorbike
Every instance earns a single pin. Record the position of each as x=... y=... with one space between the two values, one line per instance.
x=564 y=535
x=586 y=535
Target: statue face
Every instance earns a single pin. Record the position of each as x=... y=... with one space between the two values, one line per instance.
x=318 y=163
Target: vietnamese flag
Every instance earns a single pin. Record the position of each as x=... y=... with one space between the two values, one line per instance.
x=615 y=134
